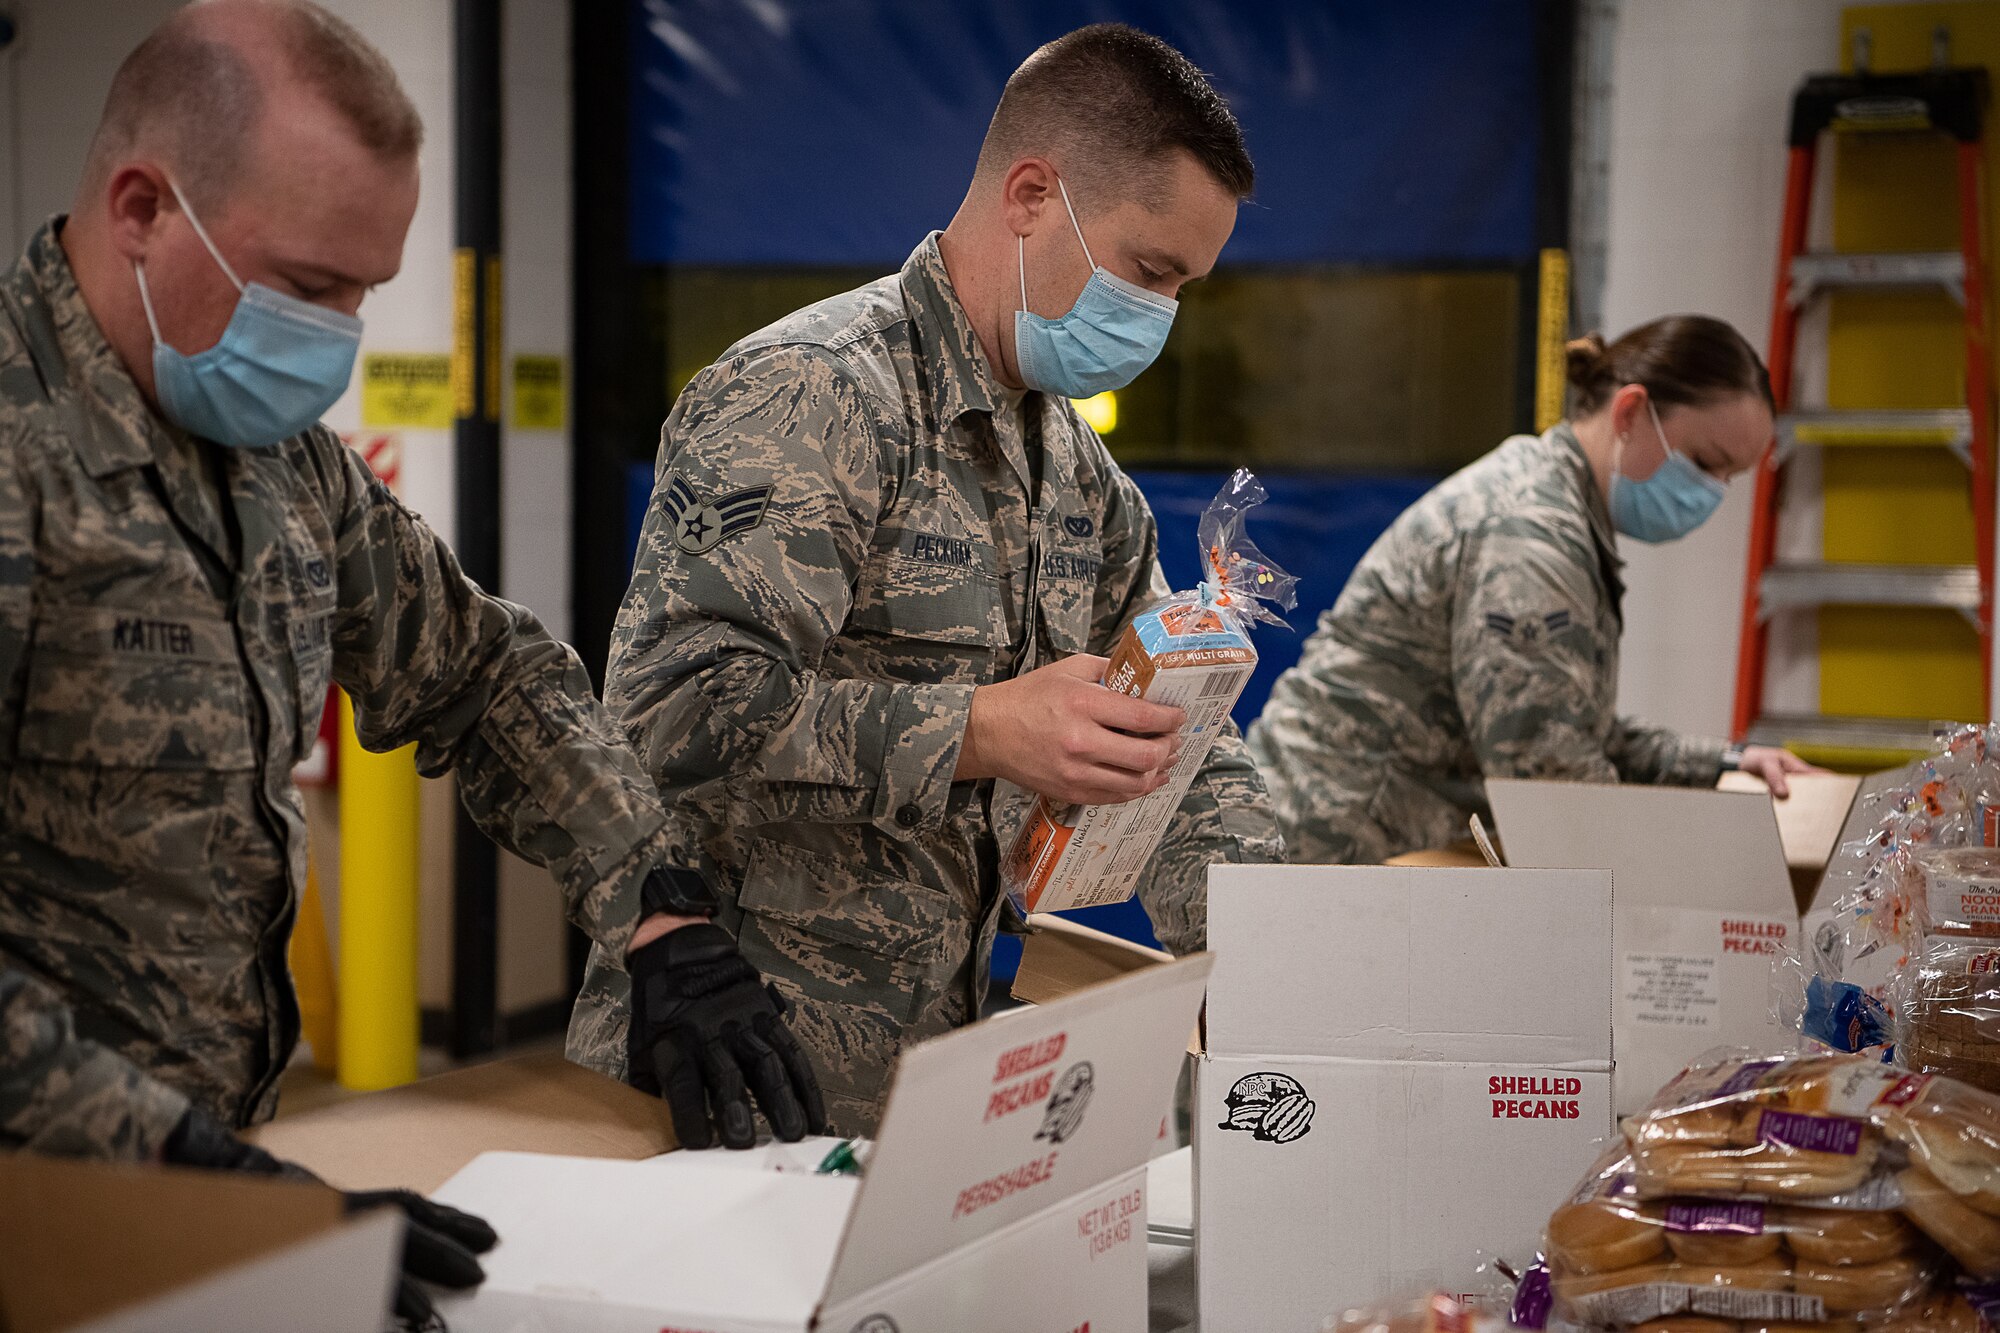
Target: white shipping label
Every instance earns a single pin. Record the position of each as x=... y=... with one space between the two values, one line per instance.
x=1671 y=990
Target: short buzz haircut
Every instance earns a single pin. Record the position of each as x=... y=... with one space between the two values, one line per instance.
x=195 y=99
x=1113 y=104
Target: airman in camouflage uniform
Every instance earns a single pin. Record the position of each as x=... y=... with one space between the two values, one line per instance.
x=170 y=618
x=845 y=540
x=1478 y=637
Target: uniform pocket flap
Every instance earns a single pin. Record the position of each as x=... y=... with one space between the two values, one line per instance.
x=835 y=900
x=919 y=586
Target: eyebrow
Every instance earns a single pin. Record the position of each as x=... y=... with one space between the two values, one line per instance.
x=1161 y=259
x=320 y=274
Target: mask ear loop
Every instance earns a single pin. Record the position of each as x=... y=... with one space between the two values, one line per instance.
x=202 y=232
x=1074 y=223
x=146 y=300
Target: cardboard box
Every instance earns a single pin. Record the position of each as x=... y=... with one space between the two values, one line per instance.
x=1068 y=856
x=417 y=1136
x=1809 y=821
x=1462 y=855
x=1704 y=909
x=1011 y=1148
x=1407 y=1069
x=89 y=1247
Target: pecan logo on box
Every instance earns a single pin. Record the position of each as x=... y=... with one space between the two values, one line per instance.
x=1274 y=1108
x=1064 y=1114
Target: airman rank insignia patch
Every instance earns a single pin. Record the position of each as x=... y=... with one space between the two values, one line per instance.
x=700 y=526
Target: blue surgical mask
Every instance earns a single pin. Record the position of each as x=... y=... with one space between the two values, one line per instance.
x=1114 y=331
x=1674 y=501
x=278 y=366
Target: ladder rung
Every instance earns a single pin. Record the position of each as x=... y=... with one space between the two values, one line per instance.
x=1815 y=731
x=1948 y=427
x=1812 y=272
x=1953 y=587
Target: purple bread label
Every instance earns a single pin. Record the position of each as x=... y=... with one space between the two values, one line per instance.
x=1984 y=1297
x=1744 y=1219
x=1746 y=1077
x=1810 y=1133
x=1533 y=1299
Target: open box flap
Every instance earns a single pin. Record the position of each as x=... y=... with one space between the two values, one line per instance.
x=1678 y=847
x=1005 y=1118
x=1411 y=963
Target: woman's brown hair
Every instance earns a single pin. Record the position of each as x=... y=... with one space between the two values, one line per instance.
x=1688 y=360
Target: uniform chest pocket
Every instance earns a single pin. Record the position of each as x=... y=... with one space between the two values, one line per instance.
x=936 y=589
x=132 y=690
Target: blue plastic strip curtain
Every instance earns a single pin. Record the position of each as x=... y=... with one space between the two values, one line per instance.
x=839 y=132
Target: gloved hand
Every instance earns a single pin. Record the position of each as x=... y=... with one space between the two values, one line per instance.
x=706 y=1033
x=438 y=1244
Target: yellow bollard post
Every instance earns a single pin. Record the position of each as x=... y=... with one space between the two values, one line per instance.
x=312 y=975
x=1551 y=332
x=378 y=913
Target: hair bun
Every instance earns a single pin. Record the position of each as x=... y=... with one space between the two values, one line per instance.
x=1585 y=358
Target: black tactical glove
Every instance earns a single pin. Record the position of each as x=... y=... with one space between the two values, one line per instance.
x=438 y=1244
x=707 y=1032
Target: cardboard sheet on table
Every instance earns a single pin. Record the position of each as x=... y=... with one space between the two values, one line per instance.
x=109 y=1248
x=418 y=1135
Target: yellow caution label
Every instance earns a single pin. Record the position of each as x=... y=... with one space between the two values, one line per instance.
x=406 y=390
x=464 y=331
x=1551 y=332
x=540 y=400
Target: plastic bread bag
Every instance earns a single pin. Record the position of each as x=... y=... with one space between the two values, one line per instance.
x=1192 y=650
x=1435 y=1313
x=1616 y=1260
x=1948 y=1011
x=1957 y=889
x=1777 y=1128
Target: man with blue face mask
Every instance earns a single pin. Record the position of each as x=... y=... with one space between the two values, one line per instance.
x=1479 y=636
x=885 y=556
x=187 y=559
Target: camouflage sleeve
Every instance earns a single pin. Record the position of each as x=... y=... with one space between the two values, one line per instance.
x=1526 y=657
x=1665 y=758
x=764 y=505
x=68 y=1097
x=482 y=690
x=1226 y=815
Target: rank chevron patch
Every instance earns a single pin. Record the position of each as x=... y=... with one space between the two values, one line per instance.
x=700 y=526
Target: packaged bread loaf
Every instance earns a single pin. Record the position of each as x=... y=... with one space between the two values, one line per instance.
x=1617 y=1260
x=1774 y=1128
x=1961 y=890
x=1951 y=1011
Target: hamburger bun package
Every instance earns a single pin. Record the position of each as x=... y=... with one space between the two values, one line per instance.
x=1784 y=1194
x=1191 y=651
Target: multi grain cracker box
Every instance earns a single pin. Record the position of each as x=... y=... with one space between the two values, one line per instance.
x=1191 y=652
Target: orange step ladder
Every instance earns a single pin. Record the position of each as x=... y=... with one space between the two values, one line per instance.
x=1948 y=101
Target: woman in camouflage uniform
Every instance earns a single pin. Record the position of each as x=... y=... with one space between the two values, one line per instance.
x=1479 y=636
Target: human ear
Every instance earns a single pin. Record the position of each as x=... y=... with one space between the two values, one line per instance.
x=134 y=206
x=1025 y=193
